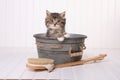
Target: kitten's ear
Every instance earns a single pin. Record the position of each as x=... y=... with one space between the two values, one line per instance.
x=47 y=13
x=62 y=14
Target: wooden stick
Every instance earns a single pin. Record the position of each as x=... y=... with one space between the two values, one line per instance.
x=100 y=57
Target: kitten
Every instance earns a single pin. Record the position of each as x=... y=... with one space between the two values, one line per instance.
x=55 y=23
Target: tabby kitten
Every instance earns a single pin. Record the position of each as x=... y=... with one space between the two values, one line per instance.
x=55 y=23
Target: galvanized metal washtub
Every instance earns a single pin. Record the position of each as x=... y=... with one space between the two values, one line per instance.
x=71 y=49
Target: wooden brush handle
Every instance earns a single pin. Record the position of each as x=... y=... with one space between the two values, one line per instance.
x=100 y=57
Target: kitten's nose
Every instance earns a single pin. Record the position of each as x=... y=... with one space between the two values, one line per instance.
x=55 y=24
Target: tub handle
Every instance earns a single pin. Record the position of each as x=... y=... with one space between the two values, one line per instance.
x=83 y=46
x=40 y=44
x=76 y=53
x=56 y=47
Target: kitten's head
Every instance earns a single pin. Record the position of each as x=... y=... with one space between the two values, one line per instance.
x=55 y=20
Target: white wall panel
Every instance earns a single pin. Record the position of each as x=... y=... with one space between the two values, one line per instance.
x=98 y=19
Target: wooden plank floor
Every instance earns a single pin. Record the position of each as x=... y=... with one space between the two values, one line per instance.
x=13 y=60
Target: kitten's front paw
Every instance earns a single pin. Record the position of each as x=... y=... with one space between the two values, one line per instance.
x=67 y=35
x=60 y=39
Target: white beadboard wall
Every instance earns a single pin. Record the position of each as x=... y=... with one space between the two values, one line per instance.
x=98 y=19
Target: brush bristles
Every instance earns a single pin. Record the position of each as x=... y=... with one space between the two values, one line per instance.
x=40 y=61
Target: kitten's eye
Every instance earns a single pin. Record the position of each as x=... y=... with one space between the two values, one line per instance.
x=58 y=20
x=51 y=20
